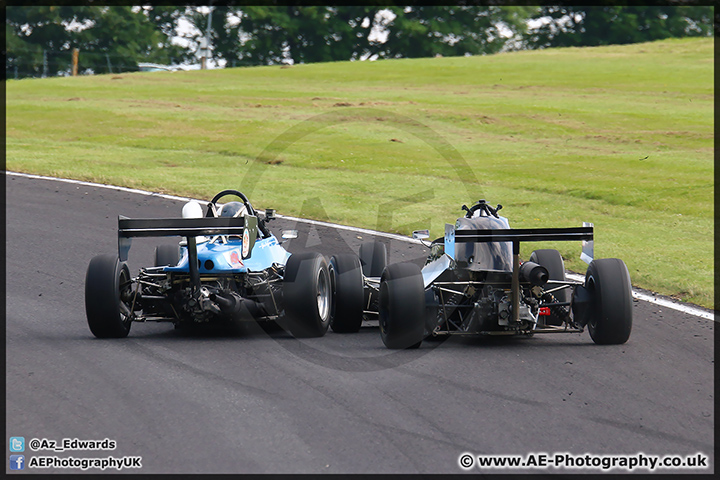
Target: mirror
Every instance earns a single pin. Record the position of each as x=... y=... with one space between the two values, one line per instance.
x=269 y=213
x=421 y=234
x=289 y=234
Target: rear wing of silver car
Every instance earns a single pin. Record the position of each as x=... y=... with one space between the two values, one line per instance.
x=515 y=236
x=246 y=226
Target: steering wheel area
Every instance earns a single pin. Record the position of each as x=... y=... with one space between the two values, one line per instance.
x=213 y=209
x=485 y=209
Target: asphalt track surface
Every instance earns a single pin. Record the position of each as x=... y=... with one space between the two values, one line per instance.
x=264 y=402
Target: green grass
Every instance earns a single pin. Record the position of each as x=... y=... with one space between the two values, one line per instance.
x=621 y=136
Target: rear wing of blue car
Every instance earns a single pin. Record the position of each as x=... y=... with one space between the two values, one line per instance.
x=190 y=228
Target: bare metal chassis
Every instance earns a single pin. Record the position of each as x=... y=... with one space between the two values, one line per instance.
x=372 y=284
x=153 y=286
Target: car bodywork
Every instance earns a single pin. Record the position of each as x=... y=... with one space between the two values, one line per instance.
x=473 y=283
x=226 y=269
x=480 y=271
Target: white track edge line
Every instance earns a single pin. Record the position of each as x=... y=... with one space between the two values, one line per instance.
x=664 y=302
x=661 y=301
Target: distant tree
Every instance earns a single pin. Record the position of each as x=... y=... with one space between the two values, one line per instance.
x=166 y=20
x=606 y=25
x=32 y=31
x=123 y=36
x=426 y=31
x=261 y=35
x=224 y=33
x=41 y=39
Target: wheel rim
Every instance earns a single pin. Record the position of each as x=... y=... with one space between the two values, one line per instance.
x=323 y=295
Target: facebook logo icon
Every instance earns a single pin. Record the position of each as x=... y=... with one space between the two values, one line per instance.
x=17 y=462
x=17 y=444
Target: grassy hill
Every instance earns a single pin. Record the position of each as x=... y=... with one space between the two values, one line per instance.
x=621 y=136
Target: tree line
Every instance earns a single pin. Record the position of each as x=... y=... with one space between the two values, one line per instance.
x=40 y=39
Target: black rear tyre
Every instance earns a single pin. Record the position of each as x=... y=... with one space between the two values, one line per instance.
x=307 y=295
x=373 y=258
x=610 y=316
x=346 y=312
x=167 y=255
x=552 y=260
x=402 y=306
x=107 y=285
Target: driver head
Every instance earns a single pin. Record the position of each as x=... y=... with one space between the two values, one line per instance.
x=233 y=209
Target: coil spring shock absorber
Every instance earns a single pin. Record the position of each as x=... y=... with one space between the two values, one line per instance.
x=557 y=311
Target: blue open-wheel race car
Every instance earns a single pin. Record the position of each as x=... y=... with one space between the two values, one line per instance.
x=228 y=268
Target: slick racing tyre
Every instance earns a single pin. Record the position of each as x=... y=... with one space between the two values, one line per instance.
x=167 y=255
x=402 y=306
x=346 y=282
x=108 y=291
x=307 y=295
x=610 y=316
x=373 y=258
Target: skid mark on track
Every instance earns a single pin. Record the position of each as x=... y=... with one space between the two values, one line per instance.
x=390 y=433
x=205 y=375
x=650 y=432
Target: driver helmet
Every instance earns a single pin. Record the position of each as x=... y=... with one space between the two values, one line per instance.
x=233 y=209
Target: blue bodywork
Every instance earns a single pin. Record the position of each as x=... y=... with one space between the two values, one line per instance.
x=228 y=265
x=227 y=257
x=228 y=268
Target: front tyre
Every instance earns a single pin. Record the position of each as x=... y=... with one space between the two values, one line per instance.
x=346 y=281
x=373 y=258
x=610 y=316
x=307 y=295
x=107 y=290
x=167 y=255
x=402 y=306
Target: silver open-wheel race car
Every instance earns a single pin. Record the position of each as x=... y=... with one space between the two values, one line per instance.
x=473 y=283
x=229 y=268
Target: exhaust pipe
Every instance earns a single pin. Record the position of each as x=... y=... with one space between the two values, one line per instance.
x=534 y=273
x=229 y=305
x=233 y=305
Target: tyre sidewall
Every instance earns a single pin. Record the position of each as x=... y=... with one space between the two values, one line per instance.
x=102 y=297
x=167 y=255
x=373 y=258
x=303 y=275
x=610 y=320
x=346 y=281
x=402 y=306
